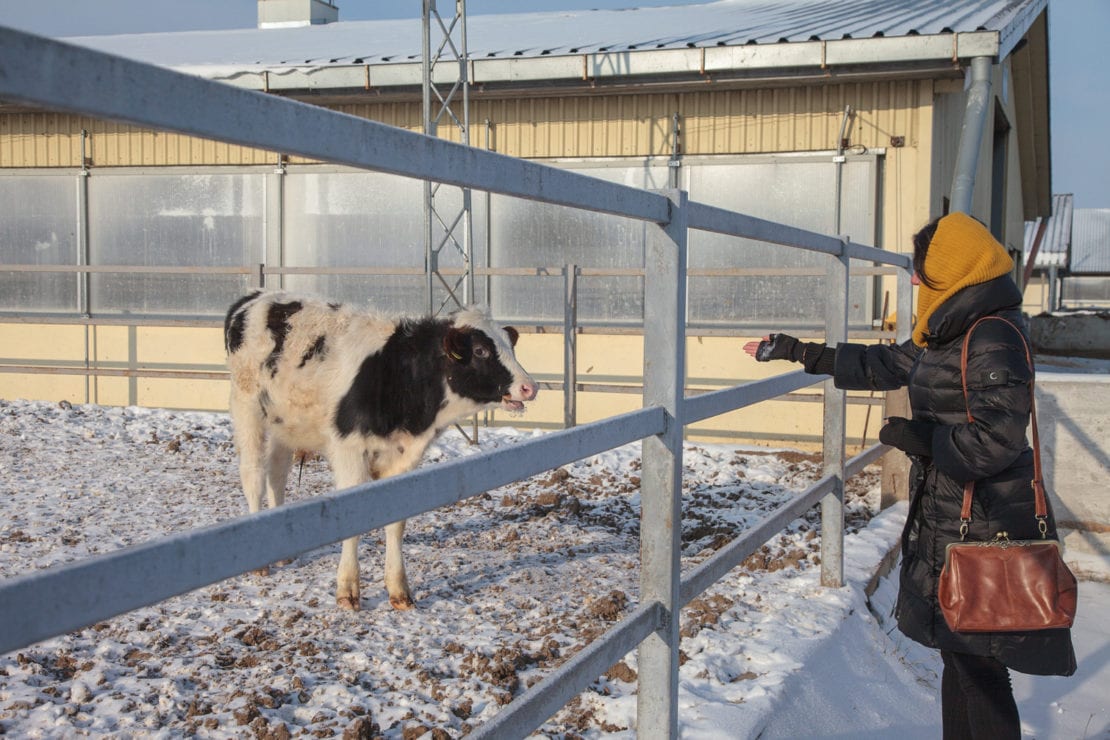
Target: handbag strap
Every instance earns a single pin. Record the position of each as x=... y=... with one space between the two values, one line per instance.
x=1041 y=505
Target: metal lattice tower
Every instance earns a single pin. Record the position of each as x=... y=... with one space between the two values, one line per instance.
x=446 y=227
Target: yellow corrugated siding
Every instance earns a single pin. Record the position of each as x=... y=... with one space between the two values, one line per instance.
x=798 y=119
x=120 y=145
x=712 y=122
x=748 y=121
x=39 y=140
x=54 y=140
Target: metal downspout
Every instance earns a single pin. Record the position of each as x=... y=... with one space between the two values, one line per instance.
x=971 y=135
x=839 y=160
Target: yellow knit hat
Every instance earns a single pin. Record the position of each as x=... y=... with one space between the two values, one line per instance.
x=962 y=253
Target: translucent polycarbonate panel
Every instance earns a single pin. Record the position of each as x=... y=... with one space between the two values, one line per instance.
x=1085 y=292
x=184 y=220
x=528 y=234
x=797 y=191
x=38 y=226
x=369 y=219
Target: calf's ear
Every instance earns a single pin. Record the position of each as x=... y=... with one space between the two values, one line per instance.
x=456 y=344
x=513 y=335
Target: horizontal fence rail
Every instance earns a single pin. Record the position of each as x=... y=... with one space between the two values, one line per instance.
x=62 y=77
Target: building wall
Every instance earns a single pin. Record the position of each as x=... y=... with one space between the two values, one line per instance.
x=894 y=116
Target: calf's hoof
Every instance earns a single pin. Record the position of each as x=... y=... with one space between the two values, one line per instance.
x=349 y=602
x=402 y=603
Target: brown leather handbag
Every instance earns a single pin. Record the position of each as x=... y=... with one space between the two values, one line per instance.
x=1005 y=585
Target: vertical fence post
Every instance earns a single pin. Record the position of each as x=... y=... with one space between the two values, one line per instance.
x=835 y=402
x=273 y=222
x=904 y=303
x=570 y=346
x=84 y=257
x=661 y=479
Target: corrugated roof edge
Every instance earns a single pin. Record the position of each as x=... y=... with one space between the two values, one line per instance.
x=1055 y=245
x=543 y=47
x=917 y=54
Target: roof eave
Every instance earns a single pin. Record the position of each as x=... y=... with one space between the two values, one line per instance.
x=891 y=54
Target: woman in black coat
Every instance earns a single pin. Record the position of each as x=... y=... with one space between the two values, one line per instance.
x=962 y=275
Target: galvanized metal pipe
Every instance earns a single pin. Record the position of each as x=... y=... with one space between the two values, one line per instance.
x=84 y=257
x=832 y=506
x=735 y=552
x=535 y=706
x=839 y=161
x=570 y=346
x=665 y=261
x=971 y=135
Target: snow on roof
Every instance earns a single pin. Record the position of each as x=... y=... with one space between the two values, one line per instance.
x=534 y=35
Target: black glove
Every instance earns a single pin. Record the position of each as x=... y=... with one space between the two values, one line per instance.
x=912 y=437
x=779 y=347
x=816 y=358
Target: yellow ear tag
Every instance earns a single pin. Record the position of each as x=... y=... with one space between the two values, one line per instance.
x=456 y=356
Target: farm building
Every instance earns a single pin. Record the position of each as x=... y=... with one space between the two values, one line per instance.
x=1068 y=258
x=1067 y=279
x=844 y=119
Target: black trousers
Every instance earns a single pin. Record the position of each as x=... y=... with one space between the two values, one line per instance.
x=977 y=700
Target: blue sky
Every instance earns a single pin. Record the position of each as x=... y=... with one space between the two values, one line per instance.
x=1079 y=63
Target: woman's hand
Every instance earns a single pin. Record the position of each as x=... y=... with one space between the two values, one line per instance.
x=774 y=347
x=912 y=437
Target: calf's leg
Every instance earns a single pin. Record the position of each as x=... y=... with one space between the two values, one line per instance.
x=349 y=469
x=250 y=442
x=279 y=462
x=347 y=594
x=396 y=582
x=409 y=452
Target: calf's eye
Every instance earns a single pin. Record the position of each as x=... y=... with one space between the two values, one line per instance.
x=481 y=352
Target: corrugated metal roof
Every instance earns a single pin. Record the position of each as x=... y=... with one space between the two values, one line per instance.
x=1056 y=241
x=724 y=23
x=1090 y=242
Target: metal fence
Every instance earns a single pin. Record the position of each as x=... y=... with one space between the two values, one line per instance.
x=40 y=605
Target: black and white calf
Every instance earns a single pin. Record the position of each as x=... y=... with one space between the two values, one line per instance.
x=368 y=392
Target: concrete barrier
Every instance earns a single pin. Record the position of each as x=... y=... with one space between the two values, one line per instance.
x=1074 y=423
x=1083 y=333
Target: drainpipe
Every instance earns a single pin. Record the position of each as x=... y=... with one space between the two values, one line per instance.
x=839 y=160
x=971 y=136
x=676 y=152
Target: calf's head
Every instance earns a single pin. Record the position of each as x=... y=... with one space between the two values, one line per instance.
x=481 y=363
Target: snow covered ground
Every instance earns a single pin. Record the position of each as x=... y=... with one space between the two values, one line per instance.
x=508 y=584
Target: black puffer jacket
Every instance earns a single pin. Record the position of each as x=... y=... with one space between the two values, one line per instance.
x=992 y=451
